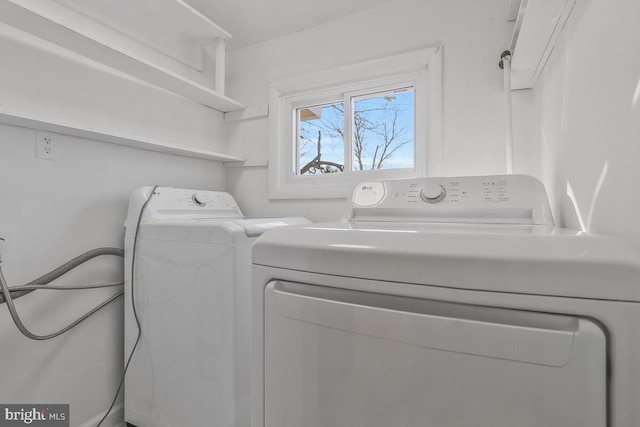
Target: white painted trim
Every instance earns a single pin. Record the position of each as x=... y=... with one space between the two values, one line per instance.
x=283 y=93
x=435 y=106
x=275 y=183
x=31 y=121
x=88 y=38
x=394 y=65
x=115 y=417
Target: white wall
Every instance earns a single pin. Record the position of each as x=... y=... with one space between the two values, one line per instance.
x=472 y=33
x=589 y=125
x=52 y=211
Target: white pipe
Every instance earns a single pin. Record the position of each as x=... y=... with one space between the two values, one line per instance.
x=506 y=60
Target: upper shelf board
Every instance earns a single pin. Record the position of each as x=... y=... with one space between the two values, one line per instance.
x=512 y=10
x=169 y=26
x=57 y=23
x=538 y=27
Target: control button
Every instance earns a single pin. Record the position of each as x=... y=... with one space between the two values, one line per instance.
x=432 y=193
x=369 y=194
x=198 y=200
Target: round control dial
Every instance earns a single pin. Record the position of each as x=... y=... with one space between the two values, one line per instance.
x=198 y=200
x=432 y=193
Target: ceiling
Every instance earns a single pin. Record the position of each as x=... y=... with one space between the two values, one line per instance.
x=255 y=21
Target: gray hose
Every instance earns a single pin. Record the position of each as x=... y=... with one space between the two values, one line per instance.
x=7 y=295
x=62 y=270
x=62 y=288
x=16 y=319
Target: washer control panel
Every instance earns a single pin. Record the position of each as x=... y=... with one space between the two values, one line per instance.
x=176 y=201
x=181 y=204
x=483 y=199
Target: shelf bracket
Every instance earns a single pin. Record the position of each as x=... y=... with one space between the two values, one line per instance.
x=220 y=47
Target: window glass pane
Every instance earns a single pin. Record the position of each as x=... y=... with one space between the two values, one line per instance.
x=320 y=139
x=383 y=130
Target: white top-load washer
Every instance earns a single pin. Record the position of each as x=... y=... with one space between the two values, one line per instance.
x=192 y=293
x=446 y=302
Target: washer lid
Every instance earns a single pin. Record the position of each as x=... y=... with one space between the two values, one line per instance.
x=539 y=260
x=254 y=227
x=196 y=216
x=211 y=231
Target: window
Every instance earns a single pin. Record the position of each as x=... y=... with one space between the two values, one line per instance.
x=375 y=131
x=333 y=129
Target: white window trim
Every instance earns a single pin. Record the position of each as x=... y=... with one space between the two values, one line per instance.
x=422 y=66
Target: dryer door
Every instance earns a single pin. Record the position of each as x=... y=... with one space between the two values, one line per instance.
x=336 y=358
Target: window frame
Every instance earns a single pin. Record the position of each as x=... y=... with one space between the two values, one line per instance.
x=420 y=69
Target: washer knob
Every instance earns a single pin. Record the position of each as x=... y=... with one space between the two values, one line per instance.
x=198 y=200
x=432 y=193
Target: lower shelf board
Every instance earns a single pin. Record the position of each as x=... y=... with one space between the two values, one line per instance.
x=30 y=121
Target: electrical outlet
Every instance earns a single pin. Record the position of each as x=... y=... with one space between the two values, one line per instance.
x=46 y=146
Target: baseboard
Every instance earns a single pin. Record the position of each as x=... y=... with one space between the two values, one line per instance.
x=114 y=419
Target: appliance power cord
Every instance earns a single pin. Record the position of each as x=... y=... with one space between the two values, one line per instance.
x=8 y=294
x=133 y=306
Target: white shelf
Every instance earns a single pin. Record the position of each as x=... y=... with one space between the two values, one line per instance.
x=538 y=26
x=169 y=26
x=34 y=122
x=161 y=42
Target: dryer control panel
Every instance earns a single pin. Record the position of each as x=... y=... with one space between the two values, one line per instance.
x=512 y=199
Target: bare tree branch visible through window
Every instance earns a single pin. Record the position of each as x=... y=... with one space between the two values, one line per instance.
x=317 y=165
x=382 y=127
x=327 y=121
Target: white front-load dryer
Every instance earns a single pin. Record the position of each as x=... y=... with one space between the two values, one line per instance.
x=446 y=302
x=192 y=297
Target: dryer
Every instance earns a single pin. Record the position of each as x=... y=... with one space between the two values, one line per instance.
x=446 y=302
x=192 y=293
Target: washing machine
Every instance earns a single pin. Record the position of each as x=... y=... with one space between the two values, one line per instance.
x=192 y=296
x=446 y=302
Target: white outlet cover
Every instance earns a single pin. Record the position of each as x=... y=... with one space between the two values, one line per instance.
x=46 y=146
